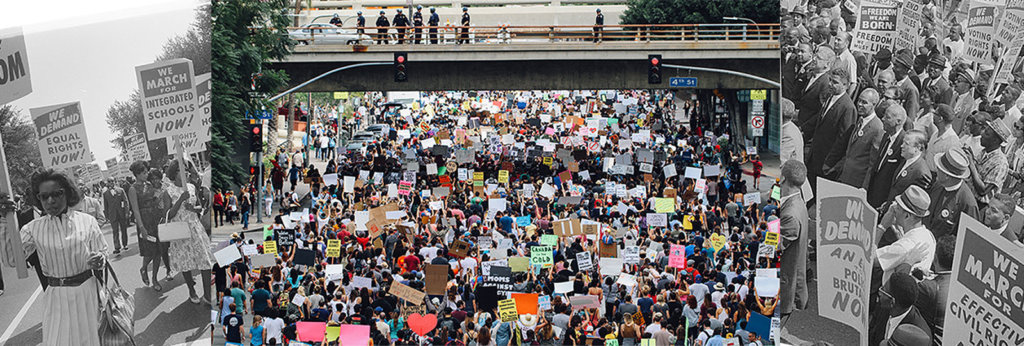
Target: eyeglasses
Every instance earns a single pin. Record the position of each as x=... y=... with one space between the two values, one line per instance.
x=55 y=194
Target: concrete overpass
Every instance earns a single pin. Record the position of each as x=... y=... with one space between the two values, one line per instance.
x=529 y=66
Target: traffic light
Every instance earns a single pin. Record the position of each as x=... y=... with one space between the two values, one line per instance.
x=255 y=136
x=400 y=73
x=654 y=69
x=252 y=170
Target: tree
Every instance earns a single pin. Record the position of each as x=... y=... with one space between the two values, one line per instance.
x=19 y=143
x=698 y=11
x=125 y=118
x=247 y=35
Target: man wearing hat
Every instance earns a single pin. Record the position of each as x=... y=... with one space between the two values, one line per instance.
x=792 y=140
x=865 y=141
x=882 y=61
x=598 y=24
x=336 y=20
x=360 y=23
x=907 y=94
x=382 y=28
x=992 y=166
x=115 y=208
x=943 y=138
x=949 y=195
x=464 y=38
x=401 y=24
x=914 y=243
x=798 y=14
x=936 y=85
x=433 y=22
x=795 y=71
x=794 y=237
x=417 y=22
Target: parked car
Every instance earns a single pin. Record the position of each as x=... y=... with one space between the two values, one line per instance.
x=322 y=33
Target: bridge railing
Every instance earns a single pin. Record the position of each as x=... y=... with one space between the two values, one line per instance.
x=360 y=4
x=552 y=33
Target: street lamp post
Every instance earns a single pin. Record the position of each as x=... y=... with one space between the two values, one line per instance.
x=744 y=25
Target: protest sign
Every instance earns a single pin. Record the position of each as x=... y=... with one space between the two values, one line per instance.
x=227 y=255
x=334 y=248
x=610 y=266
x=526 y=303
x=270 y=247
x=437 y=278
x=772 y=239
x=845 y=242
x=548 y=239
x=978 y=36
x=1011 y=24
x=568 y=227
x=15 y=76
x=62 y=137
x=407 y=293
x=876 y=26
x=507 y=310
x=908 y=24
x=541 y=256
x=263 y=260
x=751 y=198
x=584 y=302
x=677 y=256
x=168 y=97
x=984 y=302
x=544 y=303
x=583 y=261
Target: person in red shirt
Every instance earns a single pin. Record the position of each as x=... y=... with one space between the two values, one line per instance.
x=758 y=165
x=412 y=262
x=218 y=209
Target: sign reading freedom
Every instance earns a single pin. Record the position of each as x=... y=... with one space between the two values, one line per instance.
x=985 y=305
x=15 y=81
x=61 y=133
x=845 y=241
x=876 y=26
x=168 y=98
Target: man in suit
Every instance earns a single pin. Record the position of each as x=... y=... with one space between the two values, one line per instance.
x=936 y=85
x=890 y=157
x=902 y=288
x=882 y=61
x=796 y=71
x=815 y=93
x=864 y=142
x=832 y=130
x=943 y=139
x=907 y=94
x=793 y=245
x=792 y=140
x=914 y=171
x=932 y=293
x=115 y=207
x=950 y=195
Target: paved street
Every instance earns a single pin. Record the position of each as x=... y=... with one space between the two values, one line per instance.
x=161 y=318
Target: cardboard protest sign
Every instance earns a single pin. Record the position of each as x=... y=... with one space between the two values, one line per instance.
x=16 y=81
x=169 y=101
x=978 y=35
x=437 y=278
x=507 y=310
x=876 y=26
x=567 y=227
x=407 y=293
x=459 y=248
x=845 y=226
x=984 y=292
x=677 y=256
x=62 y=136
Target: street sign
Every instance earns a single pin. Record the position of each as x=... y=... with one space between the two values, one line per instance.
x=682 y=82
x=758 y=132
x=759 y=94
x=260 y=114
x=757 y=107
x=757 y=122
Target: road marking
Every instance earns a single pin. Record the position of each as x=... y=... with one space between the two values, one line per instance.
x=20 y=315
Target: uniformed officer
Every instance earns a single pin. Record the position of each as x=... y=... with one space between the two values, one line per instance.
x=401 y=23
x=417 y=22
x=433 y=22
x=382 y=28
x=360 y=22
x=950 y=195
x=336 y=20
x=465 y=26
x=598 y=24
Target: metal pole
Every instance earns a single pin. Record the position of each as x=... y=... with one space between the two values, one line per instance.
x=259 y=181
x=11 y=235
x=729 y=72
x=325 y=74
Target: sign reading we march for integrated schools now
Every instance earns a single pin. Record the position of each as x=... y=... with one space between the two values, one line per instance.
x=14 y=73
x=985 y=305
x=61 y=132
x=169 y=102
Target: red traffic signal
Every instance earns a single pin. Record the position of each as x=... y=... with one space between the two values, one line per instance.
x=655 y=61
x=256 y=130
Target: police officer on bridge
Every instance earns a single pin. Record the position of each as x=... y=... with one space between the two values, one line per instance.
x=598 y=26
x=401 y=23
x=465 y=26
x=417 y=22
x=433 y=22
x=360 y=22
x=382 y=28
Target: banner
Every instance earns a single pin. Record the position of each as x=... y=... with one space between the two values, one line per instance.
x=169 y=100
x=986 y=292
x=138 y=147
x=1012 y=22
x=15 y=81
x=908 y=25
x=876 y=26
x=981 y=18
x=845 y=227
x=62 y=138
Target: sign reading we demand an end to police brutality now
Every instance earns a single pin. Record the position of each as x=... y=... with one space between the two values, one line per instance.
x=169 y=102
x=61 y=133
x=985 y=305
x=846 y=224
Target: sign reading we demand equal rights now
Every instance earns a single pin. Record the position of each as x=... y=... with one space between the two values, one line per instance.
x=170 y=106
x=61 y=133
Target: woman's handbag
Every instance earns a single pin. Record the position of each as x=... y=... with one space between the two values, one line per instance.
x=177 y=230
x=117 y=308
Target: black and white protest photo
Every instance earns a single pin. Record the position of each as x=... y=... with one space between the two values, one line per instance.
x=903 y=168
x=105 y=173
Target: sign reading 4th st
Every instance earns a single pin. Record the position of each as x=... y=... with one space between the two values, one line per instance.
x=682 y=82
x=168 y=98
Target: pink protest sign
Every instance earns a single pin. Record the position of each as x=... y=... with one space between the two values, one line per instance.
x=354 y=335
x=677 y=256
x=311 y=331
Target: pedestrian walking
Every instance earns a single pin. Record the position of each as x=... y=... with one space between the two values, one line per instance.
x=192 y=255
x=115 y=207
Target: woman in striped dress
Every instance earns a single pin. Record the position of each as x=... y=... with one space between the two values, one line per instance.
x=70 y=246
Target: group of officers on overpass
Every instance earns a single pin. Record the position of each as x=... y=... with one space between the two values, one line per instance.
x=401 y=24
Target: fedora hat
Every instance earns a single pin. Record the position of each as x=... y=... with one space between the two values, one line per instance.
x=915 y=201
x=953 y=163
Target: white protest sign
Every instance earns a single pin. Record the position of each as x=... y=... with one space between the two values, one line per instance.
x=583 y=261
x=15 y=79
x=751 y=198
x=712 y=171
x=563 y=287
x=876 y=26
x=227 y=255
x=908 y=25
x=670 y=170
x=169 y=101
x=62 y=138
x=978 y=35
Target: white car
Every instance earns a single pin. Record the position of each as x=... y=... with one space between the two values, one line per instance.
x=322 y=33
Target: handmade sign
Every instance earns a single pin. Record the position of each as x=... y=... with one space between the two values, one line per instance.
x=507 y=310
x=406 y=293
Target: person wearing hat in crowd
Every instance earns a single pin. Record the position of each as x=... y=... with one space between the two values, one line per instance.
x=798 y=15
x=907 y=92
x=401 y=23
x=865 y=142
x=914 y=244
x=936 y=85
x=793 y=240
x=964 y=103
x=433 y=22
x=335 y=20
x=115 y=207
x=933 y=292
x=382 y=28
x=950 y=195
x=464 y=37
x=417 y=22
x=990 y=167
x=943 y=137
x=881 y=61
x=598 y=25
x=360 y=23
x=792 y=143
x=832 y=131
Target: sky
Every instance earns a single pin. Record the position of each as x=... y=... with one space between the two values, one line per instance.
x=87 y=51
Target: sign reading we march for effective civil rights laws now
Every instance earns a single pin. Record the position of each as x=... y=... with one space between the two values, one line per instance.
x=61 y=133
x=169 y=101
x=14 y=73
